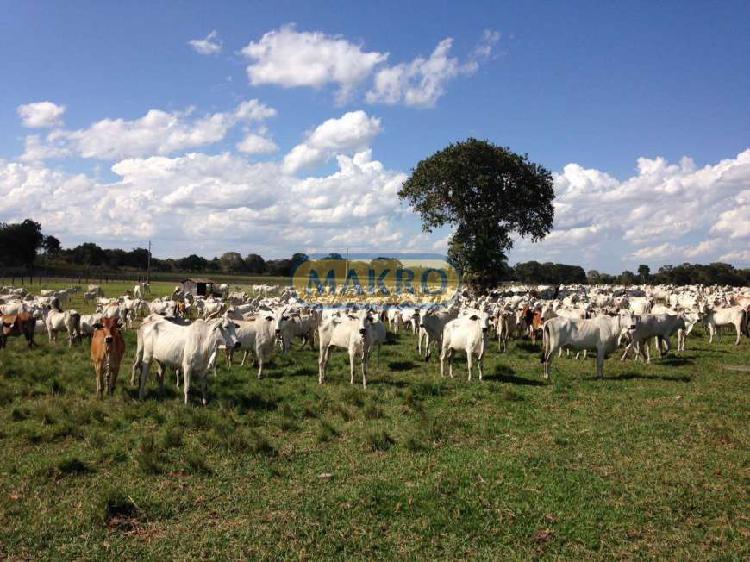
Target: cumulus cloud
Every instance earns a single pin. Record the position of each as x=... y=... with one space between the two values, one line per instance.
x=421 y=82
x=665 y=213
x=349 y=133
x=209 y=45
x=158 y=132
x=290 y=58
x=207 y=203
x=40 y=115
x=254 y=143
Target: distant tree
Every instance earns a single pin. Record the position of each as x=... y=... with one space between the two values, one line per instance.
x=19 y=243
x=644 y=272
x=192 y=263
x=488 y=193
x=255 y=263
x=51 y=245
x=232 y=262
x=334 y=256
x=593 y=277
x=627 y=278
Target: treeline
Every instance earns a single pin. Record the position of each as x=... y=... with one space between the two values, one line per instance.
x=24 y=245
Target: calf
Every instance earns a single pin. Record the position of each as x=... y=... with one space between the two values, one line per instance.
x=107 y=349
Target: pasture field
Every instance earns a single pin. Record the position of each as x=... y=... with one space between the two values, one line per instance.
x=652 y=462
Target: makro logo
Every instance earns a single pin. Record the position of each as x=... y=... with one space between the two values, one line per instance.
x=376 y=279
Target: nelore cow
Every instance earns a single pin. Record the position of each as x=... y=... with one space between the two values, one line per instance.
x=602 y=334
x=715 y=318
x=466 y=333
x=191 y=348
x=107 y=349
x=351 y=332
x=19 y=324
x=658 y=326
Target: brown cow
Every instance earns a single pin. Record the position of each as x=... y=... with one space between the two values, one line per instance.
x=107 y=349
x=20 y=324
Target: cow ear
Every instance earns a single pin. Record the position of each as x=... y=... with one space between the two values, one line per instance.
x=474 y=317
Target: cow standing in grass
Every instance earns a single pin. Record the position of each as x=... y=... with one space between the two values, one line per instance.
x=602 y=333
x=19 y=324
x=466 y=333
x=107 y=350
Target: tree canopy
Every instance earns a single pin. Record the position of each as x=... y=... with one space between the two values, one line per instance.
x=488 y=194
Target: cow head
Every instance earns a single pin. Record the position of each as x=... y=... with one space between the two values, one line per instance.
x=9 y=323
x=482 y=319
x=110 y=327
x=227 y=329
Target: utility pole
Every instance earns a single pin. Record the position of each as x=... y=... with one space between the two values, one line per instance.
x=148 y=264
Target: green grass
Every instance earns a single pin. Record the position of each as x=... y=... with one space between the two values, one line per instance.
x=653 y=462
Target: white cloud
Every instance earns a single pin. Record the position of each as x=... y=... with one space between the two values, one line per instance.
x=665 y=213
x=209 y=45
x=210 y=203
x=347 y=134
x=421 y=82
x=254 y=110
x=41 y=115
x=158 y=132
x=289 y=58
x=254 y=143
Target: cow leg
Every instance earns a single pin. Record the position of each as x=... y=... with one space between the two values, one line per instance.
x=600 y=363
x=322 y=361
x=260 y=366
x=648 y=352
x=738 y=327
x=244 y=358
x=667 y=345
x=144 y=376
x=351 y=367
x=186 y=373
x=480 y=366
x=205 y=388
x=469 y=361
x=627 y=350
x=364 y=370
x=99 y=381
x=450 y=362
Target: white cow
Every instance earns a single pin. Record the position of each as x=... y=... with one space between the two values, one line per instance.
x=658 y=326
x=259 y=336
x=202 y=341
x=715 y=318
x=87 y=323
x=57 y=321
x=350 y=332
x=180 y=347
x=602 y=333
x=467 y=333
x=432 y=322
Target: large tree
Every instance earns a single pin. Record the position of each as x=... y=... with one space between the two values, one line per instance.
x=19 y=243
x=488 y=194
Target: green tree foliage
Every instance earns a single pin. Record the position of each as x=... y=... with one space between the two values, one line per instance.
x=548 y=273
x=19 y=243
x=488 y=194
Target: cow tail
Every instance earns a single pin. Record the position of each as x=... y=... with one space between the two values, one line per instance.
x=545 y=343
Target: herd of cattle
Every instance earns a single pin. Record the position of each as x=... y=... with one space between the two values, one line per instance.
x=186 y=333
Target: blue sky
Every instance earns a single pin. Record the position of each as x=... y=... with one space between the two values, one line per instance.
x=585 y=88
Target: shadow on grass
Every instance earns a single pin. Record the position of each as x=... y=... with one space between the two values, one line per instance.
x=639 y=376
x=400 y=366
x=529 y=347
x=673 y=361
